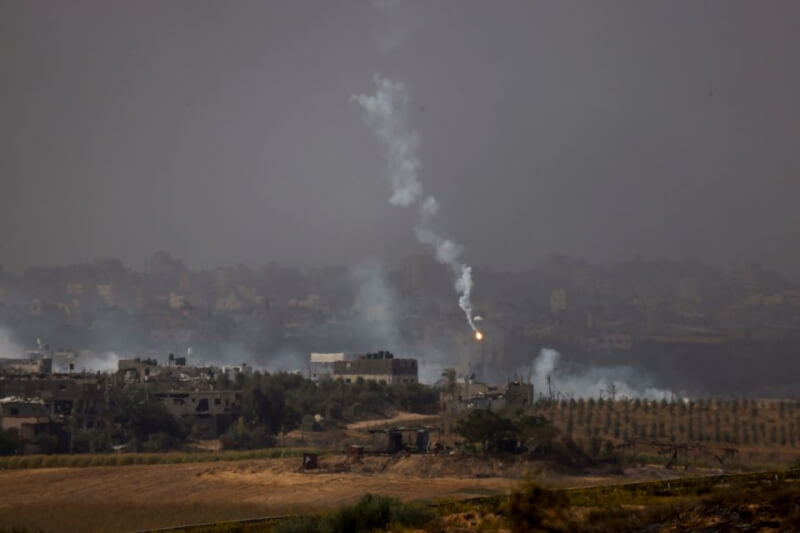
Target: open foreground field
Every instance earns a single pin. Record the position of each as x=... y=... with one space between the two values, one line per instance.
x=122 y=492
x=125 y=498
x=141 y=496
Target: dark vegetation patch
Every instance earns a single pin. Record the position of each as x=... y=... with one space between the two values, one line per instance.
x=370 y=513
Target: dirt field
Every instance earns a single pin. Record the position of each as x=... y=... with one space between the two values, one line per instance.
x=126 y=498
x=398 y=419
x=132 y=497
x=356 y=432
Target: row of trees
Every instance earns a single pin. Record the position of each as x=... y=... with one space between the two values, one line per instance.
x=736 y=421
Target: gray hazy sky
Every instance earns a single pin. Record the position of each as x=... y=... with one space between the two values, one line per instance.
x=223 y=131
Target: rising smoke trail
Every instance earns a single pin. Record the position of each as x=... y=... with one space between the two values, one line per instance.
x=386 y=113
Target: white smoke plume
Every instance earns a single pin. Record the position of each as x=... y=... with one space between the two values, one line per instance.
x=386 y=113
x=9 y=347
x=376 y=306
x=593 y=382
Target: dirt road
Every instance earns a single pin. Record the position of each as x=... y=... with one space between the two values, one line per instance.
x=401 y=418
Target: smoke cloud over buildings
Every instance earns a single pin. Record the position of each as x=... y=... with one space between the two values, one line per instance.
x=9 y=347
x=98 y=362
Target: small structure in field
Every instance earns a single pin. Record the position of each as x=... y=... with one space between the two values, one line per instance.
x=401 y=438
x=310 y=461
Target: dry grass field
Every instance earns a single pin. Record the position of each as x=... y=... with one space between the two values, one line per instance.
x=124 y=498
x=752 y=503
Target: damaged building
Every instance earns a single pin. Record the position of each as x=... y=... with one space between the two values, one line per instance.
x=26 y=365
x=37 y=402
x=83 y=399
x=211 y=411
x=321 y=365
x=187 y=392
x=24 y=419
x=466 y=394
x=137 y=369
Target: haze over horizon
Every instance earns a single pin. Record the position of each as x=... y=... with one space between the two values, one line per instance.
x=227 y=135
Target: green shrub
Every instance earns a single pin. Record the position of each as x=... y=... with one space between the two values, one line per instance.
x=160 y=442
x=375 y=512
x=412 y=515
x=243 y=436
x=303 y=524
x=485 y=427
x=370 y=513
x=91 y=441
x=533 y=508
x=8 y=444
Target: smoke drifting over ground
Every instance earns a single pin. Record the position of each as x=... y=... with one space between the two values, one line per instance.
x=592 y=382
x=286 y=361
x=386 y=113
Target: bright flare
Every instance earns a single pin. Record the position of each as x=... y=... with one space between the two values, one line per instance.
x=478 y=336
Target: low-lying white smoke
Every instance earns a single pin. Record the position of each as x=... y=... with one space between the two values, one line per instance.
x=289 y=361
x=97 y=362
x=594 y=382
x=386 y=113
x=9 y=347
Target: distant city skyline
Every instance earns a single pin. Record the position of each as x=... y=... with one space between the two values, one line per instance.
x=144 y=265
x=553 y=259
x=657 y=318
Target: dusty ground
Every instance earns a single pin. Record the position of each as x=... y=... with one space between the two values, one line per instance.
x=356 y=432
x=132 y=497
x=277 y=483
x=401 y=418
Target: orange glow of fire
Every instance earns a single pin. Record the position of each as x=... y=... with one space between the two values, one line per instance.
x=478 y=336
